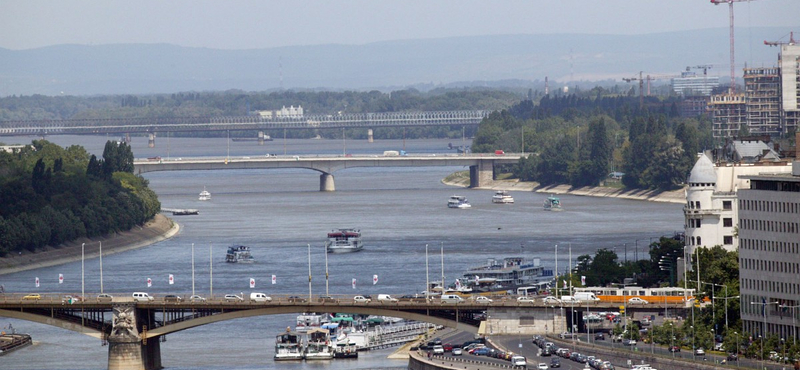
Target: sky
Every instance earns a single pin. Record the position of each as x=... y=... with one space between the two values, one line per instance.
x=255 y=24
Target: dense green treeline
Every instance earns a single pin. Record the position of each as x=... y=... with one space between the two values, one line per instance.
x=580 y=140
x=51 y=195
x=238 y=103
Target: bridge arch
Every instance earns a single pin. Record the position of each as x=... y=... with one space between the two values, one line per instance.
x=52 y=321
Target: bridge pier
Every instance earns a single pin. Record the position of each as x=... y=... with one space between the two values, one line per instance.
x=482 y=174
x=126 y=349
x=261 y=138
x=369 y=135
x=151 y=140
x=326 y=182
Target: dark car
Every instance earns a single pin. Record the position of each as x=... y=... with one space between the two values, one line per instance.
x=172 y=298
x=437 y=341
x=295 y=298
x=732 y=357
x=555 y=362
x=599 y=336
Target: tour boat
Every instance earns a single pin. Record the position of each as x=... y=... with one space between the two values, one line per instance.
x=205 y=195
x=502 y=197
x=458 y=201
x=344 y=241
x=508 y=274
x=239 y=254
x=308 y=321
x=552 y=204
x=288 y=346
x=318 y=345
x=345 y=349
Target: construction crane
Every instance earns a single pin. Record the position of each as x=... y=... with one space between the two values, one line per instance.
x=778 y=43
x=641 y=87
x=730 y=7
x=704 y=67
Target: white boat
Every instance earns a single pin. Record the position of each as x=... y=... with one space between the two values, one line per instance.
x=552 y=204
x=505 y=275
x=344 y=241
x=205 y=195
x=318 y=345
x=502 y=197
x=288 y=346
x=458 y=201
x=239 y=254
x=308 y=321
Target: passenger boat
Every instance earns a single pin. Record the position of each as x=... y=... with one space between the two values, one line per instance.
x=506 y=275
x=345 y=348
x=288 y=346
x=502 y=197
x=344 y=241
x=185 y=212
x=318 y=345
x=239 y=254
x=552 y=204
x=308 y=321
x=205 y=195
x=458 y=201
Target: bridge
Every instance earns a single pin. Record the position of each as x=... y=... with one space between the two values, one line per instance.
x=154 y=125
x=133 y=329
x=481 y=166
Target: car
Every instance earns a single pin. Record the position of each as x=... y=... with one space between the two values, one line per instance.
x=599 y=336
x=361 y=299
x=295 y=298
x=732 y=357
x=447 y=347
x=172 y=298
x=196 y=298
x=674 y=349
x=437 y=341
x=526 y=300
x=482 y=351
x=555 y=362
x=326 y=298
x=482 y=299
x=699 y=352
x=542 y=366
x=637 y=300
x=70 y=299
x=233 y=298
x=457 y=351
x=104 y=297
x=567 y=335
x=32 y=296
x=629 y=342
x=551 y=300
x=438 y=350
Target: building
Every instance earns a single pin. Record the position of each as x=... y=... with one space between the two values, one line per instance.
x=690 y=84
x=789 y=62
x=728 y=114
x=769 y=254
x=763 y=101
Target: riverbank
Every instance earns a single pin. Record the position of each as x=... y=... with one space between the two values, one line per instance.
x=676 y=196
x=158 y=229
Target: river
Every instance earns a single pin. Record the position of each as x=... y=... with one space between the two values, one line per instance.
x=278 y=213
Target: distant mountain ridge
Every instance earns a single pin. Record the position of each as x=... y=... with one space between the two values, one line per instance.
x=163 y=68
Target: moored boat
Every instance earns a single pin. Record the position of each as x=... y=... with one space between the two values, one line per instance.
x=308 y=321
x=552 y=204
x=204 y=195
x=318 y=345
x=458 y=201
x=344 y=241
x=239 y=254
x=288 y=346
x=502 y=197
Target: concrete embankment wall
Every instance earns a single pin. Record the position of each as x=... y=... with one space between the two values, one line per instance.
x=419 y=360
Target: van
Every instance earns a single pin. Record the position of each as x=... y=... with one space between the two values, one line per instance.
x=519 y=362
x=568 y=298
x=141 y=297
x=259 y=297
x=386 y=298
x=586 y=296
x=452 y=298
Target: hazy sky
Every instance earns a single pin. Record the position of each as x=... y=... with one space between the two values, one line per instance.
x=245 y=24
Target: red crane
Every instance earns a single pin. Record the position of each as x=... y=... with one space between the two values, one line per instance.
x=777 y=43
x=730 y=7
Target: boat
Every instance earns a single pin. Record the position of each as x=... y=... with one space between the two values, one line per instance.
x=502 y=197
x=345 y=349
x=318 y=345
x=506 y=275
x=552 y=204
x=458 y=201
x=185 y=212
x=288 y=346
x=344 y=241
x=205 y=195
x=239 y=254
x=308 y=321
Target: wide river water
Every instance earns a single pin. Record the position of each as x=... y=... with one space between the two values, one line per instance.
x=279 y=212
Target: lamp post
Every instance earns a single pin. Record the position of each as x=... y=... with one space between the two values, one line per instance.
x=764 y=327
x=737 y=348
x=672 y=338
x=555 y=273
x=794 y=326
x=83 y=291
x=726 y=307
x=692 y=327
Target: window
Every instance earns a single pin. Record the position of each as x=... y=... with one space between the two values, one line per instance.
x=726 y=205
x=727 y=222
x=728 y=239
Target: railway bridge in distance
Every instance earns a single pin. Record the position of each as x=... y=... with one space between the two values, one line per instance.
x=481 y=166
x=133 y=329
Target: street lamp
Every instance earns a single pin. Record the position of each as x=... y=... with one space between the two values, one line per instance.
x=737 y=348
x=764 y=328
x=726 y=307
x=794 y=326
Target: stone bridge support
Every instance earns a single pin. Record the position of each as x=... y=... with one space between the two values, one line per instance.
x=151 y=140
x=528 y=321
x=126 y=349
x=369 y=135
x=326 y=182
x=261 y=138
x=482 y=174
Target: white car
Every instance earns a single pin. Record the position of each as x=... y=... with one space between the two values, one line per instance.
x=196 y=298
x=457 y=351
x=438 y=350
x=551 y=300
x=525 y=300
x=361 y=299
x=542 y=366
x=637 y=300
x=233 y=298
x=483 y=299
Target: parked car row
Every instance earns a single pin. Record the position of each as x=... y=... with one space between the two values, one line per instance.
x=550 y=348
